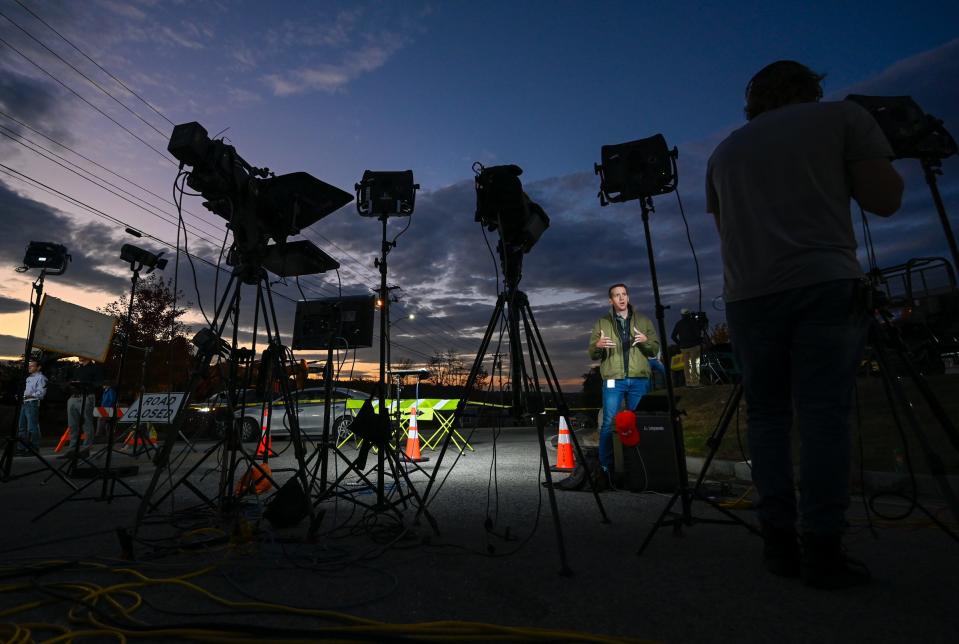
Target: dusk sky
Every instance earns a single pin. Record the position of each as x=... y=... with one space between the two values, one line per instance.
x=334 y=89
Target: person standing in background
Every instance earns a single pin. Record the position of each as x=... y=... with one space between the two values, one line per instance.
x=33 y=392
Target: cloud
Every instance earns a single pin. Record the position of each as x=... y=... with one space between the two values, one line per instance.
x=11 y=346
x=586 y=247
x=32 y=101
x=12 y=305
x=331 y=77
x=124 y=9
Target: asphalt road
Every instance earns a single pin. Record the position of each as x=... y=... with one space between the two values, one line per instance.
x=495 y=560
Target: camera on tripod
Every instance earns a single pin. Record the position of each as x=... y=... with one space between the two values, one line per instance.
x=501 y=203
x=912 y=133
x=279 y=206
x=258 y=205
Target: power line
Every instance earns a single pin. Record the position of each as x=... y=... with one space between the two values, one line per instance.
x=14 y=137
x=28 y=59
x=78 y=95
x=97 y=164
x=84 y=54
x=90 y=80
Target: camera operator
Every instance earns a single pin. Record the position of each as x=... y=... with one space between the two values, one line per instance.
x=688 y=334
x=779 y=188
x=625 y=341
x=87 y=380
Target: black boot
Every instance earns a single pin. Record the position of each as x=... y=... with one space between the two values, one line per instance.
x=781 y=551
x=826 y=566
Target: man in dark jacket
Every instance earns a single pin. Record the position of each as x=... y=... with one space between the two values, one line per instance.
x=624 y=341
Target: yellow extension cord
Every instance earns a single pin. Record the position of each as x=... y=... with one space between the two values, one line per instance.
x=124 y=599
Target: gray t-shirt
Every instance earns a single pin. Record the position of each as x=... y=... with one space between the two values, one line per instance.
x=779 y=185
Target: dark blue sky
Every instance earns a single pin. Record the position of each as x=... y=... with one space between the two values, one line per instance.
x=336 y=88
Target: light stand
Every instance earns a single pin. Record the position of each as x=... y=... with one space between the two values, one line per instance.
x=107 y=474
x=640 y=170
x=52 y=259
x=931 y=168
x=684 y=493
x=382 y=195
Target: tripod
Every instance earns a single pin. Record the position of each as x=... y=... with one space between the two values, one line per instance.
x=210 y=344
x=13 y=438
x=513 y=309
x=881 y=335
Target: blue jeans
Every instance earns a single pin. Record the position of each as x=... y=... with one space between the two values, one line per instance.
x=30 y=423
x=799 y=351
x=632 y=389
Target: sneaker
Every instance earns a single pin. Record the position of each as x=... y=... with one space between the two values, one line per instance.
x=781 y=554
x=826 y=566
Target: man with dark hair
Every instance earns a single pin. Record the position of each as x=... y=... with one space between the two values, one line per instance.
x=779 y=188
x=624 y=341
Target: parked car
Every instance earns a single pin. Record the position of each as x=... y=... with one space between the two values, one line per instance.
x=309 y=405
x=212 y=414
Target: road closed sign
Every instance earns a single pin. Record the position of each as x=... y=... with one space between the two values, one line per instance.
x=155 y=408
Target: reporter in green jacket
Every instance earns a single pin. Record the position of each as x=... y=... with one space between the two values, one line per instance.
x=624 y=341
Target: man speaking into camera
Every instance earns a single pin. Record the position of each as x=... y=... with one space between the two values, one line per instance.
x=624 y=341
x=779 y=188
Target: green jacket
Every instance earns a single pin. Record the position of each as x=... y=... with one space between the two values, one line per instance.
x=611 y=366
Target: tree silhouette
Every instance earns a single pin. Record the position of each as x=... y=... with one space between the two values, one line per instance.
x=156 y=336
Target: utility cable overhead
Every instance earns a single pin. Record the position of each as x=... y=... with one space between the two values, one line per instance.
x=365 y=271
x=99 y=66
x=82 y=98
x=28 y=59
x=97 y=164
x=90 y=80
x=146 y=207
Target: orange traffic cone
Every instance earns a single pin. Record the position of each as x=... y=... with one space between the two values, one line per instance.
x=66 y=439
x=255 y=480
x=564 y=450
x=140 y=441
x=265 y=449
x=413 y=441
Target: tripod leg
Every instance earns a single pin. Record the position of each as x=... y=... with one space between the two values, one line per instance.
x=536 y=342
x=467 y=392
x=676 y=521
x=557 y=525
x=201 y=363
x=893 y=383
